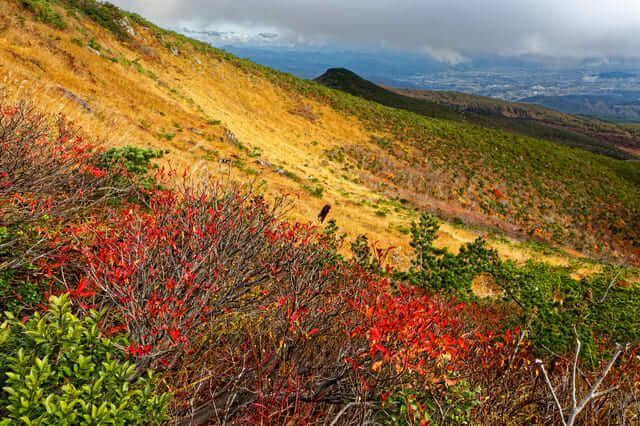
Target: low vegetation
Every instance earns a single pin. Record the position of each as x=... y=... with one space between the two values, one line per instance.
x=498 y=174
x=243 y=317
x=246 y=318
x=43 y=11
x=59 y=369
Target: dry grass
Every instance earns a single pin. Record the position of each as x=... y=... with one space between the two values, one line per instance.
x=166 y=101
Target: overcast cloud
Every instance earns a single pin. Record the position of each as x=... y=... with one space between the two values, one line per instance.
x=443 y=29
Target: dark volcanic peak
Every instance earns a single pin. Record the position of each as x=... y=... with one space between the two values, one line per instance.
x=343 y=78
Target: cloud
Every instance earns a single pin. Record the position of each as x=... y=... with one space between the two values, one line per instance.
x=576 y=28
x=447 y=56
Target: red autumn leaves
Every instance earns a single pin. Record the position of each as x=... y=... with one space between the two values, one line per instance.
x=214 y=288
x=45 y=169
x=195 y=262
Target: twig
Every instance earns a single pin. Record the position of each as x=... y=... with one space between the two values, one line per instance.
x=613 y=281
x=575 y=368
x=553 y=392
x=345 y=409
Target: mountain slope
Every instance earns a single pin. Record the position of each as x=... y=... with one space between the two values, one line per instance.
x=525 y=119
x=129 y=82
x=508 y=176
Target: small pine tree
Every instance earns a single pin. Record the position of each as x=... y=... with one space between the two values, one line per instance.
x=361 y=252
x=332 y=238
x=423 y=234
x=438 y=269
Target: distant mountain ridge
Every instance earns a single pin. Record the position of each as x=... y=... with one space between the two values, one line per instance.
x=522 y=118
x=616 y=75
x=610 y=107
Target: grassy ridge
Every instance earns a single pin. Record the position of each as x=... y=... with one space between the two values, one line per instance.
x=550 y=191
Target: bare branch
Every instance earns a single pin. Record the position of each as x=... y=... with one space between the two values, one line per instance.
x=574 y=398
x=611 y=284
x=553 y=392
x=592 y=394
x=347 y=408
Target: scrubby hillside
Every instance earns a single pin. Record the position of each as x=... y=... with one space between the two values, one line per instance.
x=529 y=185
x=190 y=303
x=162 y=262
x=125 y=79
x=614 y=108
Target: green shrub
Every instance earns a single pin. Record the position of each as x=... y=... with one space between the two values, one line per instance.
x=439 y=270
x=382 y=213
x=16 y=293
x=168 y=136
x=18 y=286
x=103 y=13
x=315 y=191
x=553 y=302
x=58 y=369
x=45 y=13
x=333 y=239
x=452 y=407
x=95 y=45
x=289 y=174
x=136 y=161
x=362 y=252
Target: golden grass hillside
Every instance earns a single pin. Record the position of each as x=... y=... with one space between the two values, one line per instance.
x=214 y=118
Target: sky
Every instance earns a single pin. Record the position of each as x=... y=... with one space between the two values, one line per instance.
x=446 y=30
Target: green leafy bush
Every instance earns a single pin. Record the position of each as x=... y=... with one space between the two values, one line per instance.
x=333 y=239
x=168 y=136
x=18 y=286
x=103 y=13
x=136 y=160
x=16 y=293
x=316 y=191
x=362 y=252
x=553 y=302
x=57 y=369
x=93 y=43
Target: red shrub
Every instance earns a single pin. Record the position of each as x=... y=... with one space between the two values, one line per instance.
x=253 y=316
x=45 y=171
x=498 y=194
